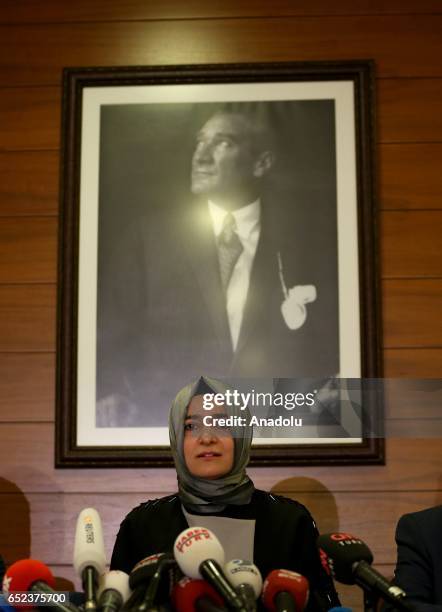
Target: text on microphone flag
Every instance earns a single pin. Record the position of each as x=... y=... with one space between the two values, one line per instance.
x=189 y=537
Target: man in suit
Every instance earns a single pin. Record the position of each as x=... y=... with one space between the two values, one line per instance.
x=231 y=285
x=419 y=558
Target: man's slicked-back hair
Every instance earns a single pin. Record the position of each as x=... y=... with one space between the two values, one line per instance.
x=257 y=114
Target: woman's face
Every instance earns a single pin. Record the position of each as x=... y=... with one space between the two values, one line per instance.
x=208 y=451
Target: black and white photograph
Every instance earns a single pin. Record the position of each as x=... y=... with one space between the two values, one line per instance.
x=213 y=255
x=219 y=234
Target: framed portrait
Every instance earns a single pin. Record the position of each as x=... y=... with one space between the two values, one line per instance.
x=218 y=221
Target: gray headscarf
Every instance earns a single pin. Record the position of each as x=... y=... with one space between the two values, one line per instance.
x=201 y=494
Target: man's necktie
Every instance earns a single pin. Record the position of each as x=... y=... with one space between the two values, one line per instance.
x=229 y=249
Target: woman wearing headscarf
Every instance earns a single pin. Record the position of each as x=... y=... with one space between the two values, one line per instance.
x=215 y=492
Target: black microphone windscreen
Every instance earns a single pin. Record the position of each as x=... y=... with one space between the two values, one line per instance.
x=144 y=570
x=339 y=552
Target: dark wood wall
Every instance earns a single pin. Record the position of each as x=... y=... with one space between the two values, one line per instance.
x=38 y=505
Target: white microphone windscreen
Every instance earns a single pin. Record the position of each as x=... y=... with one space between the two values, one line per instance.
x=244 y=572
x=117 y=580
x=89 y=543
x=195 y=545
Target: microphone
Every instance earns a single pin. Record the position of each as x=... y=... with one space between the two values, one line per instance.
x=348 y=560
x=113 y=591
x=89 y=554
x=200 y=555
x=164 y=562
x=190 y=594
x=247 y=580
x=285 y=591
x=139 y=579
x=143 y=571
x=30 y=575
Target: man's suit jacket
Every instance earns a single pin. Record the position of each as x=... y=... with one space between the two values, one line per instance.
x=162 y=318
x=419 y=563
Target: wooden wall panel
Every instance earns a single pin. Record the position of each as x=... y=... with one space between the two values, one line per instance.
x=392 y=40
x=410 y=310
x=413 y=363
x=425 y=428
x=27 y=318
x=411 y=244
x=29 y=183
x=31 y=118
x=407 y=110
x=33 y=11
x=412 y=247
x=27 y=380
x=28 y=249
x=27 y=387
x=52 y=518
x=410 y=177
x=413 y=403
x=412 y=465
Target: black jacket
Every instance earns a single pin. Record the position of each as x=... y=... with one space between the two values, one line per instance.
x=285 y=538
x=419 y=563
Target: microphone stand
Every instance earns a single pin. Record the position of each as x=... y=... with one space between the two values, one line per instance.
x=370 y=601
x=89 y=587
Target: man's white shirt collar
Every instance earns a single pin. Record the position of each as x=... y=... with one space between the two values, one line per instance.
x=246 y=218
